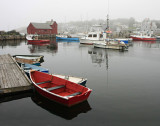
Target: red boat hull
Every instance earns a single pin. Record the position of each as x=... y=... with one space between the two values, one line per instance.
x=39 y=41
x=143 y=39
x=70 y=101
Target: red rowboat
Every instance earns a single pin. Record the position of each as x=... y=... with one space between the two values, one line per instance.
x=59 y=90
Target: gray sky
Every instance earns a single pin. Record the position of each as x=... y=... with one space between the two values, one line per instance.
x=19 y=13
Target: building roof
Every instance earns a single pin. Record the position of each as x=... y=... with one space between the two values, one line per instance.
x=41 y=25
x=50 y=22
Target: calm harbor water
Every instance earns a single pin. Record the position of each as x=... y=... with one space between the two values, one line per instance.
x=126 y=86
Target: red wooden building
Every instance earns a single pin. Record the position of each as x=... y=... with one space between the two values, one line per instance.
x=50 y=27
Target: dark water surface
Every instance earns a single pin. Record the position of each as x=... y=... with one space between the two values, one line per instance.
x=126 y=86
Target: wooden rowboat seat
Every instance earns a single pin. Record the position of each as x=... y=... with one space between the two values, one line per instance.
x=57 y=87
x=26 y=68
x=74 y=94
x=43 y=82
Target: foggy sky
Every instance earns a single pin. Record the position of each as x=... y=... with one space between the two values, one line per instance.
x=19 y=13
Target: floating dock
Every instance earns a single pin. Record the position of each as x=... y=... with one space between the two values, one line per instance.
x=12 y=77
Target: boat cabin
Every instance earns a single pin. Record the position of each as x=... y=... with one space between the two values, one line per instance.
x=95 y=36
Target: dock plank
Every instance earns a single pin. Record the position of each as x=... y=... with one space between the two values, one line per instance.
x=12 y=77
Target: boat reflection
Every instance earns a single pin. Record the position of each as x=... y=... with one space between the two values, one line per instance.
x=148 y=44
x=60 y=110
x=67 y=41
x=51 y=46
x=39 y=43
x=99 y=56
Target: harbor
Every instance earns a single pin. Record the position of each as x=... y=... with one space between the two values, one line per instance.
x=125 y=84
x=77 y=63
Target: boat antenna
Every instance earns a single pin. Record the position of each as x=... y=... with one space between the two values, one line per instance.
x=107 y=22
x=107 y=28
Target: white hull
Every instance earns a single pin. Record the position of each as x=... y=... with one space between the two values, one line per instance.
x=117 y=46
x=74 y=79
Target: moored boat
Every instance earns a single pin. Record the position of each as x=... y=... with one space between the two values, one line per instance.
x=59 y=90
x=96 y=33
x=39 y=43
x=30 y=59
x=38 y=58
x=125 y=40
x=143 y=37
x=86 y=42
x=111 y=45
x=77 y=80
x=76 y=39
x=27 y=67
x=34 y=39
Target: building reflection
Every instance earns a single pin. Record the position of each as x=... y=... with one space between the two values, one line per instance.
x=51 y=46
x=60 y=110
x=10 y=43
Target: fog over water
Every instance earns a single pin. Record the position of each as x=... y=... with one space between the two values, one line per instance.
x=19 y=13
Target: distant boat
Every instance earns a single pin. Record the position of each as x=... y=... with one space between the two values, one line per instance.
x=93 y=36
x=142 y=37
x=111 y=45
x=86 y=42
x=59 y=90
x=30 y=59
x=158 y=38
x=34 y=39
x=67 y=38
x=89 y=38
x=125 y=40
x=96 y=34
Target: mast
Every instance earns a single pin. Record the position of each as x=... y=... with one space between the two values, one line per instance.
x=107 y=28
x=107 y=25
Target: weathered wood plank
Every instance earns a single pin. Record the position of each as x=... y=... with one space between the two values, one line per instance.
x=12 y=78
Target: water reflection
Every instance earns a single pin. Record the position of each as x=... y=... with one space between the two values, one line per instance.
x=148 y=44
x=11 y=43
x=15 y=96
x=98 y=56
x=67 y=41
x=51 y=46
x=57 y=109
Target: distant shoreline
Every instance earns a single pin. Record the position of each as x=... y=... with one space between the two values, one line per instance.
x=20 y=37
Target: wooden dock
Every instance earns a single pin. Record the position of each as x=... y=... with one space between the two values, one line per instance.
x=12 y=77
